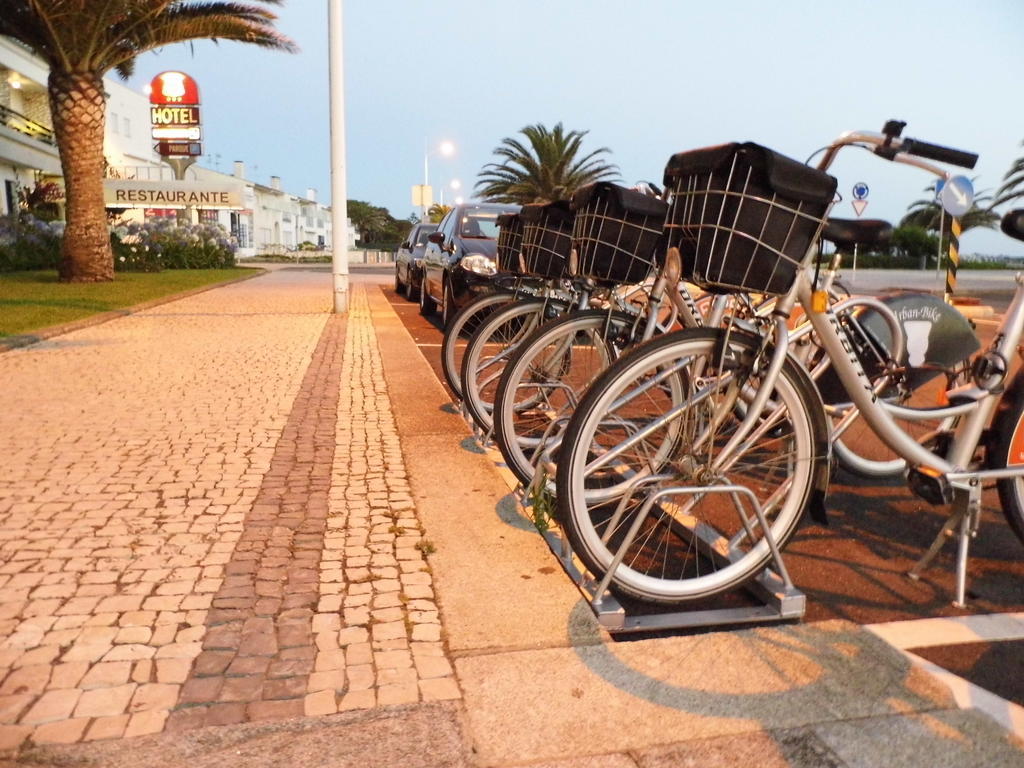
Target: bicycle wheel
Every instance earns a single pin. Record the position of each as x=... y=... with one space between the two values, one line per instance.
x=490 y=348
x=462 y=327
x=649 y=436
x=1007 y=450
x=546 y=377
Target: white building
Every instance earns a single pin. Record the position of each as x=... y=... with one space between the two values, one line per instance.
x=264 y=219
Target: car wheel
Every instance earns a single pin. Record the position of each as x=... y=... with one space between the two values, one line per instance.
x=447 y=305
x=412 y=288
x=427 y=304
x=400 y=287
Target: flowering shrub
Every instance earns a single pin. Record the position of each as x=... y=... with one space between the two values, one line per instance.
x=164 y=244
x=29 y=243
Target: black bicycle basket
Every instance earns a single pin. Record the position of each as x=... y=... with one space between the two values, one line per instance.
x=743 y=216
x=617 y=233
x=547 y=238
x=510 y=242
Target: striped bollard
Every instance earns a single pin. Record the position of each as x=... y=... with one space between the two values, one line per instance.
x=954 y=258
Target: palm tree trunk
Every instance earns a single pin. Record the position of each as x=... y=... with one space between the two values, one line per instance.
x=78 y=104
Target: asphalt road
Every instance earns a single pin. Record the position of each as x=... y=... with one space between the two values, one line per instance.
x=855 y=567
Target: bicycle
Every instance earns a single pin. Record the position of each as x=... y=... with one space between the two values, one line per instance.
x=690 y=462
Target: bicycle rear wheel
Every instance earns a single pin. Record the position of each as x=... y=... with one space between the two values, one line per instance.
x=459 y=331
x=546 y=377
x=491 y=347
x=642 y=474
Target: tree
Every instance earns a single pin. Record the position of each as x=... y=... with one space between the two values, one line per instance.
x=543 y=169
x=367 y=219
x=82 y=41
x=375 y=224
x=437 y=211
x=1012 y=187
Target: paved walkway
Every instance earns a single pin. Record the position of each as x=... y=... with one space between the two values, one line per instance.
x=236 y=527
x=193 y=539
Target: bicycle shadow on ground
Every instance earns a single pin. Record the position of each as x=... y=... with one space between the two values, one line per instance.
x=806 y=686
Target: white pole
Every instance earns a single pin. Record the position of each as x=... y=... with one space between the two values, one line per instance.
x=339 y=193
x=426 y=180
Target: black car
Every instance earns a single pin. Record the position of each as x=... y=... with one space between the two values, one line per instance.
x=409 y=260
x=458 y=263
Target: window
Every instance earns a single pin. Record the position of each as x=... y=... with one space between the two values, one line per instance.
x=127 y=128
x=113 y=122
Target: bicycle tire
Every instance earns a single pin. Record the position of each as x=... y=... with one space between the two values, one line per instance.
x=546 y=377
x=1006 y=448
x=457 y=334
x=664 y=563
x=490 y=348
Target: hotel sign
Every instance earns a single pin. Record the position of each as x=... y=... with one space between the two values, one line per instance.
x=174 y=113
x=128 y=193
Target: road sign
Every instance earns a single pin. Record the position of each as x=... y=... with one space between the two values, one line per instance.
x=178 y=148
x=957 y=196
x=860 y=191
x=859 y=206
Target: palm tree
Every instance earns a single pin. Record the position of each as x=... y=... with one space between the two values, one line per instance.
x=81 y=42
x=1012 y=187
x=543 y=169
x=437 y=211
x=367 y=219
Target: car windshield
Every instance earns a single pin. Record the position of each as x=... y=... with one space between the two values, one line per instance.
x=479 y=224
x=421 y=236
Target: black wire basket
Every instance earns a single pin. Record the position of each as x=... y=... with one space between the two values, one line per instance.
x=547 y=238
x=510 y=242
x=743 y=217
x=617 y=233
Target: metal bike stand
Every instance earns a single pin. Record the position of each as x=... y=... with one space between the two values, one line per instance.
x=778 y=599
x=964 y=519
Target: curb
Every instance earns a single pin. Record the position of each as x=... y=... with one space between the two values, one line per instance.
x=27 y=339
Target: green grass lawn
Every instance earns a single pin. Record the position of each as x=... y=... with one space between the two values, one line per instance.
x=33 y=300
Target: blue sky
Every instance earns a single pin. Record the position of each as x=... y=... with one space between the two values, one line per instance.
x=646 y=78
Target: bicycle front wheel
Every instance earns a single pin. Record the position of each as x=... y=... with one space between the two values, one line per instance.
x=546 y=377
x=490 y=348
x=643 y=476
x=459 y=331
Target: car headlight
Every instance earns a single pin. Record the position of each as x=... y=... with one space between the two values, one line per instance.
x=480 y=264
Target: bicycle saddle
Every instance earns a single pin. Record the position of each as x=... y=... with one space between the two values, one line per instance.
x=846 y=233
x=1013 y=224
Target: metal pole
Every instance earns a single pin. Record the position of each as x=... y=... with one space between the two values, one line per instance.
x=426 y=181
x=339 y=193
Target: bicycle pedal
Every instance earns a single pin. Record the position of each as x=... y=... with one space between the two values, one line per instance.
x=930 y=486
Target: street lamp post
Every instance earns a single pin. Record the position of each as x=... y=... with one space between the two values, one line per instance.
x=339 y=194
x=445 y=149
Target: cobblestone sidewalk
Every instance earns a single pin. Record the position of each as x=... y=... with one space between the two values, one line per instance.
x=204 y=518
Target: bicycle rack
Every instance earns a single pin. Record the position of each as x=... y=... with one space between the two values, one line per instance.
x=777 y=598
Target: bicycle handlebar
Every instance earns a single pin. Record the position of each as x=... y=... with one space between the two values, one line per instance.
x=938 y=153
x=890 y=146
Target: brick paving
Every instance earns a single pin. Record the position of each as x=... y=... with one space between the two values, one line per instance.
x=205 y=518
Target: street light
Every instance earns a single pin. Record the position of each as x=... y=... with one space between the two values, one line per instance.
x=445 y=149
x=455 y=184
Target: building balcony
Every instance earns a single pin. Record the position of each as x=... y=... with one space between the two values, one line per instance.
x=18 y=122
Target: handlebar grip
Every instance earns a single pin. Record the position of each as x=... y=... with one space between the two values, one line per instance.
x=939 y=154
